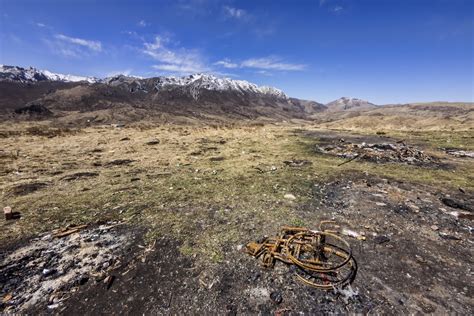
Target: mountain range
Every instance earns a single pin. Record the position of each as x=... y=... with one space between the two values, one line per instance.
x=29 y=92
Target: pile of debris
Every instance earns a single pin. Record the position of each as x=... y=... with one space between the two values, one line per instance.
x=48 y=268
x=379 y=152
x=322 y=259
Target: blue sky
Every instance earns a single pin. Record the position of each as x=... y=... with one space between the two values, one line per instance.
x=385 y=51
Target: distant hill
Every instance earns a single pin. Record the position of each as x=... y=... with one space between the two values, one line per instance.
x=349 y=104
x=417 y=116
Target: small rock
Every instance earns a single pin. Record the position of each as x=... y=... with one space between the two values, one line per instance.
x=434 y=227
x=276 y=297
x=289 y=196
x=380 y=204
x=48 y=272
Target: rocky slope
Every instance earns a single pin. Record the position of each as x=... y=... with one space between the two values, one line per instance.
x=29 y=91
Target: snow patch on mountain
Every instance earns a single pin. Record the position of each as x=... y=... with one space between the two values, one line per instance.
x=193 y=84
x=31 y=74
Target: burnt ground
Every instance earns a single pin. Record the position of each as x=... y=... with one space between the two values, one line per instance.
x=416 y=257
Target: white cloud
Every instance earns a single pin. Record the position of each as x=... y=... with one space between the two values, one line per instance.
x=264 y=65
x=226 y=64
x=176 y=60
x=142 y=23
x=337 y=9
x=89 y=44
x=235 y=13
x=39 y=24
x=271 y=63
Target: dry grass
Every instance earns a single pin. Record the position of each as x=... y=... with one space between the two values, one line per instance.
x=211 y=187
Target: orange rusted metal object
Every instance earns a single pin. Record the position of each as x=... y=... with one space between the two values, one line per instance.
x=323 y=259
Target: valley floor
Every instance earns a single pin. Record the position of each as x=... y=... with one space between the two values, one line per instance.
x=170 y=209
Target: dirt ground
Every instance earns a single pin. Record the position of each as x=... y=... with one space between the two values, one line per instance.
x=187 y=199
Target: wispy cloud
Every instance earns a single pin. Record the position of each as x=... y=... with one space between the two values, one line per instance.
x=89 y=44
x=72 y=46
x=226 y=63
x=264 y=64
x=39 y=24
x=235 y=13
x=337 y=9
x=176 y=60
x=142 y=23
x=271 y=63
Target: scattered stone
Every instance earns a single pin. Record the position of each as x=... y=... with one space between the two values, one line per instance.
x=109 y=280
x=276 y=297
x=434 y=227
x=380 y=204
x=124 y=139
x=289 y=196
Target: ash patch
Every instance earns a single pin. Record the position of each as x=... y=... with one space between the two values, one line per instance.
x=45 y=270
x=414 y=251
x=153 y=280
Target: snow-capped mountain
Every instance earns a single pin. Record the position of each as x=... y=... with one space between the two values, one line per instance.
x=126 y=98
x=192 y=84
x=195 y=84
x=19 y=74
x=346 y=103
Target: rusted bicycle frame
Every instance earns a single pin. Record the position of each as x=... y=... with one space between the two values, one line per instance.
x=323 y=259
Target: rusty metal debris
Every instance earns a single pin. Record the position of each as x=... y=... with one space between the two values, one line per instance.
x=322 y=258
